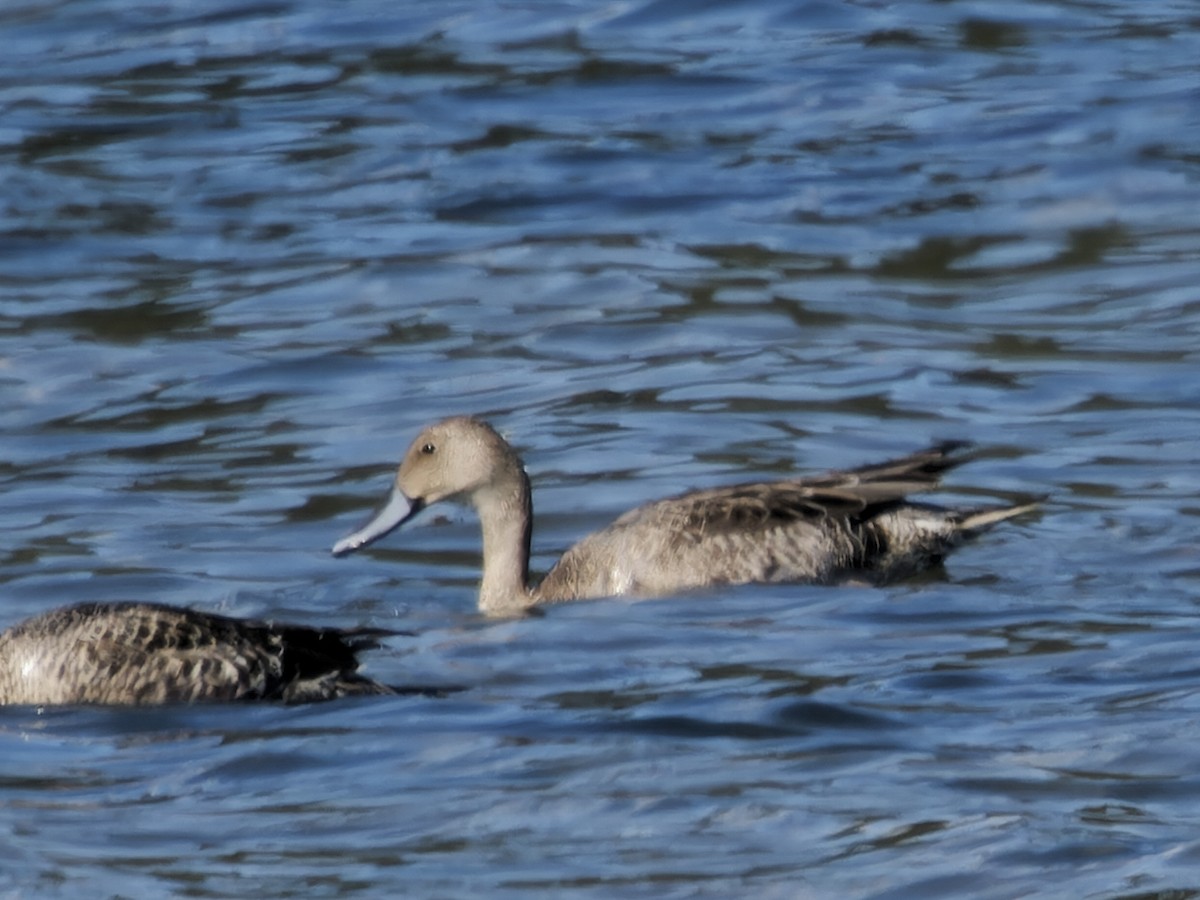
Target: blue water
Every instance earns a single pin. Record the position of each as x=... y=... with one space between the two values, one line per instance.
x=247 y=250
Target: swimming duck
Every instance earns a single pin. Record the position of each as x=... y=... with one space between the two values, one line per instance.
x=851 y=526
x=139 y=654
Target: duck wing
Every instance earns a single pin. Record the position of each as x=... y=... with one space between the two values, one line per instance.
x=858 y=494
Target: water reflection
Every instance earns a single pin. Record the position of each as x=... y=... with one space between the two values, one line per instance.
x=245 y=251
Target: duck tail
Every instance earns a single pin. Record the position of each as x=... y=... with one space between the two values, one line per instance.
x=975 y=521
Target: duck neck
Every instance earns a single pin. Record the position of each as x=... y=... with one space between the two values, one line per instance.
x=506 y=518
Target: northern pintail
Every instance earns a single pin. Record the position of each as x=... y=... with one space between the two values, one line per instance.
x=137 y=654
x=854 y=525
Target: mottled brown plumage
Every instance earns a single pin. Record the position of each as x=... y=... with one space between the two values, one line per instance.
x=135 y=654
x=855 y=525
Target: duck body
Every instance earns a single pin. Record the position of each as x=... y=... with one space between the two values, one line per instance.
x=854 y=525
x=659 y=549
x=138 y=654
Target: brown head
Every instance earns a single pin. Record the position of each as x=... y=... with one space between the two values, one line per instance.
x=460 y=459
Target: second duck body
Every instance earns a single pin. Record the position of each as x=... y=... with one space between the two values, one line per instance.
x=146 y=654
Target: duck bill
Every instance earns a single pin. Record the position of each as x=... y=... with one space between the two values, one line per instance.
x=398 y=510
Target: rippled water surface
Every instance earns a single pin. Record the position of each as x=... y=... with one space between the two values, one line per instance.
x=247 y=249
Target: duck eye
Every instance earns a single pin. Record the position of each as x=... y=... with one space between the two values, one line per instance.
x=428 y=449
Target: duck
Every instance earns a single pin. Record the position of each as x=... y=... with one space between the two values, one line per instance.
x=147 y=654
x=856 y=525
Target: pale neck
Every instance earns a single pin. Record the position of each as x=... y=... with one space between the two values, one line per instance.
x=506 y=518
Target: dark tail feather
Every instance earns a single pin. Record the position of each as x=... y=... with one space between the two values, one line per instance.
x=881 y=483
x=924 y=467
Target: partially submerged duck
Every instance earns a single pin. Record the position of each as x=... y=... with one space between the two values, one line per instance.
x=139 y=654
x=855 y=525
